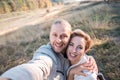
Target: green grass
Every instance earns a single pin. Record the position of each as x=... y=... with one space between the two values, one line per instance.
x=100 y=20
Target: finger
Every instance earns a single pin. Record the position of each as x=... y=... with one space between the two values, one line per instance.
x=81 y=74
x=93 y=66
x=90 y=62
x=85 y=68
x=89 y=66
x=95 y=70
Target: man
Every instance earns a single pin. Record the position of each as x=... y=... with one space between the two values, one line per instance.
x=48 y=61
x=1 y=78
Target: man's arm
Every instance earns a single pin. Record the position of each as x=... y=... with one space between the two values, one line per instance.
x=90 y=66
x=2 y=78
x=70 y=75
x=34 y=70
x=76 y=70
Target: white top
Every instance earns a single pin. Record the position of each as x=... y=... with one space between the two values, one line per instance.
x=90 y=75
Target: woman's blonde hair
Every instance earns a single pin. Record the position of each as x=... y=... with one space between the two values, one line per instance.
x=79 y=32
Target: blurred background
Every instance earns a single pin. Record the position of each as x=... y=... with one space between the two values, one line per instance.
x=25 y=25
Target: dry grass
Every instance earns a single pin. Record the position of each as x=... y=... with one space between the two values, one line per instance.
x=100 y=20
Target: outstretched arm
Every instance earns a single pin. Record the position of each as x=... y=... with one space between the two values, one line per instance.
x=2 y=78
x=33 y=70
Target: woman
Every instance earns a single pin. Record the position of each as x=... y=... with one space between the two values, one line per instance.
x=79 y=44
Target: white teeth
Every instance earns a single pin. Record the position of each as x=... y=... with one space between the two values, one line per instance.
x=58 y=45
x=72 y=55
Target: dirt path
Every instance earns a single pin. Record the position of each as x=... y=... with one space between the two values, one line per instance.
x=10 y=24
x=37 y=16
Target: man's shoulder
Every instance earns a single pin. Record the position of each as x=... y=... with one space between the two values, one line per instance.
x=45 y=50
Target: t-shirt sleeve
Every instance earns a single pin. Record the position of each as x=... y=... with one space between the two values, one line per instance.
x=34 y=70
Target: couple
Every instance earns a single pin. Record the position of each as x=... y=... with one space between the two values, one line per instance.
x=49 y=62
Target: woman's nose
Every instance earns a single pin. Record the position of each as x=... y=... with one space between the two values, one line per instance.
x=74 y=50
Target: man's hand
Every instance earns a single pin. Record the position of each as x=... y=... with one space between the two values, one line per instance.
x=90 y=65
x=78 y=70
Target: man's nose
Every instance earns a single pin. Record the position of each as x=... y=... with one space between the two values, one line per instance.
x=58 y=39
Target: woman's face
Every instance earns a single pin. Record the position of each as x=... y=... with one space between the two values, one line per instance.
x=76 y=49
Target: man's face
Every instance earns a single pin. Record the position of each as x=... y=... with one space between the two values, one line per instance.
x=59 y=37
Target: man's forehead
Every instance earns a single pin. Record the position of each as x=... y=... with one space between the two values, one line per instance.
x=61 y=26
x=60 y=31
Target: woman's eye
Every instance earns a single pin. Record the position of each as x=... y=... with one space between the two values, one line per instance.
x=80 y=47
x=70 y=44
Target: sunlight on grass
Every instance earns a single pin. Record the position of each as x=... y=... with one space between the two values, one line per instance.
x=101 y=21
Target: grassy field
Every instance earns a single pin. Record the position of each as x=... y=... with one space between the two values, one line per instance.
x=100 y=20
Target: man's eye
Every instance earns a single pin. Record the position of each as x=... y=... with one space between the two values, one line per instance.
x=55 y=35
x=63 y=36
